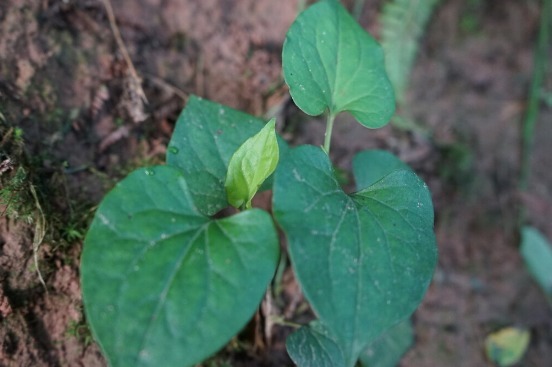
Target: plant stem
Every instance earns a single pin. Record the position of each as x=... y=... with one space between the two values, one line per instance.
x=328 y=135
x=531 y=114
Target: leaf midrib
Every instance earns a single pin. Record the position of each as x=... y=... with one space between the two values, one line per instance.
x=162 y=298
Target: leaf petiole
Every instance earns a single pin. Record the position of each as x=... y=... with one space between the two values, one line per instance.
x=280 y=320
x=328 y=134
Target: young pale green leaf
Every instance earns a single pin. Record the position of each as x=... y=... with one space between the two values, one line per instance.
x=370 y=166
x=331 y=63
x=537 y=253
x=205 y=137
x=388 y=349
x=364 y=261
x=253 y=162
x=313 y=346
x=164 y=285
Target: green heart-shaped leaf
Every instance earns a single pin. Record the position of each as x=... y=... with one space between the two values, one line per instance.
x=205 y=137
x=364 y=260
x=164 y=285
x=388 y=349
x=331 y=63
x=313 y=346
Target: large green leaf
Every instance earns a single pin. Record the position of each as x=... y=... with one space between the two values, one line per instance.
x=253 y=162
x=164 y=285
x=388 y=349
x=364 y=261
x=313 y=346
x=205 y=137
x=331 y=63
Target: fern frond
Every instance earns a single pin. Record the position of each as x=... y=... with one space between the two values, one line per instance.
x=403 y=23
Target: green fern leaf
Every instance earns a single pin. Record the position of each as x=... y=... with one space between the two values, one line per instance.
x=403 y=23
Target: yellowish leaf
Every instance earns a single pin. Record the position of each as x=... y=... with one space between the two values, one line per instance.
x=507 y=346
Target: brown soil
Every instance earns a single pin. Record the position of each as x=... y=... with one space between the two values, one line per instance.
x=64 y=82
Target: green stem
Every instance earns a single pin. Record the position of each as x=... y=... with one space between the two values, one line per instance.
x=531 y=114
x=278 y=277
x=328 y=135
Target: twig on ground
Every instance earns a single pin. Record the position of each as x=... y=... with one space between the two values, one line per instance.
x=122 y=47
x=39 y=233
x=164 y=84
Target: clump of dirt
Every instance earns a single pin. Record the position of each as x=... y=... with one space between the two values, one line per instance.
x=36 y=323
